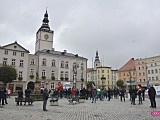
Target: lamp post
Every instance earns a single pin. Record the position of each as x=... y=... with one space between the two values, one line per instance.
x=74 y=75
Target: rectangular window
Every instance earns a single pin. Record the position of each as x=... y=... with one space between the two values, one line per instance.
x=13 y=62
x=152 y=78
x=32 y=72
x=148 y=71
x=149 y=78
x=32 y=62
x=61 y=73
x=14 y=53
x=152 y=71
x=43 y=73
x=22 y=54
x=156 y=71
x=102 y=71
x=21 y=63
x=156 y=77
x=52 y=85
x=6 y=52
x=4 y=61
x=53 y=74
x=20 y=74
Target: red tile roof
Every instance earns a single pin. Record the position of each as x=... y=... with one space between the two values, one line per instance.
x=130 y=65
x=89 y=69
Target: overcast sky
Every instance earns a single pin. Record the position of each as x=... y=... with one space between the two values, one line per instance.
x=118 y=29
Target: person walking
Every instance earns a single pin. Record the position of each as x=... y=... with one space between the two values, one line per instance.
x=45 y=98
x=94 y=95
x=152 y=94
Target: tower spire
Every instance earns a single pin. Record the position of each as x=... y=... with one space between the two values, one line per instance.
x=97 y=57
x=45 y=21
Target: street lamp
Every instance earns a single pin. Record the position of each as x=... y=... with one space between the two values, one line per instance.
x=74 y=75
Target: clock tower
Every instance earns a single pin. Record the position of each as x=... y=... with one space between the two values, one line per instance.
x=44 y=36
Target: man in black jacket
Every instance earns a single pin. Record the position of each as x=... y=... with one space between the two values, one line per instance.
x=152 y=94
x=45 y=98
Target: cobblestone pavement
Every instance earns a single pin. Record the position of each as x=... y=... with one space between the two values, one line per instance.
x=101 y=110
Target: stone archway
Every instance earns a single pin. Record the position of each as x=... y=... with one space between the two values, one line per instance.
x=31 y=85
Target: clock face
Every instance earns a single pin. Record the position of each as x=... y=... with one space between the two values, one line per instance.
x=46 y=36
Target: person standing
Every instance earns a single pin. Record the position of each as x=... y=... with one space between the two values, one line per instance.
x=139 y=93
x=152 y=94
x=143 y=94
x=5 y=95
x=2 y=94
x=109 y=94
x=133 y=95
x=45 y=98
x=122 y=93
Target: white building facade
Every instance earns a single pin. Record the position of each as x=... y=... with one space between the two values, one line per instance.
x=46 y=67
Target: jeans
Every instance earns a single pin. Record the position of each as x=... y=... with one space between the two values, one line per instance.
x=93 y=99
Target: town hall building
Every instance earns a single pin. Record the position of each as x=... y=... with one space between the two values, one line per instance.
x=46 y=68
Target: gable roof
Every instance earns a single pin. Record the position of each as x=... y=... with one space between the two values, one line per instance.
x=13 y=44
x=130 y=65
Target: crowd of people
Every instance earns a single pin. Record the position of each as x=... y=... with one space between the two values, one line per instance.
x=93 y=94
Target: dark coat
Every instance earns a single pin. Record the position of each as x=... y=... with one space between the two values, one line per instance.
x=133 y=92
x=151 y=92
x=45 y=95
x=27 y=92
x=20 y=93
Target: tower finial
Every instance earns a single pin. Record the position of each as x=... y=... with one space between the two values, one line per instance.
x=45 y=24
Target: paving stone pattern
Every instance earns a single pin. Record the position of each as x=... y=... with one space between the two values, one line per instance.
x=101 y=110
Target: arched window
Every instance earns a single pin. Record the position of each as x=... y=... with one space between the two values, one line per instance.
x=66 y=64
x=53 y=63
x=62 y=64
x=74 y=65
x=44 y=61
